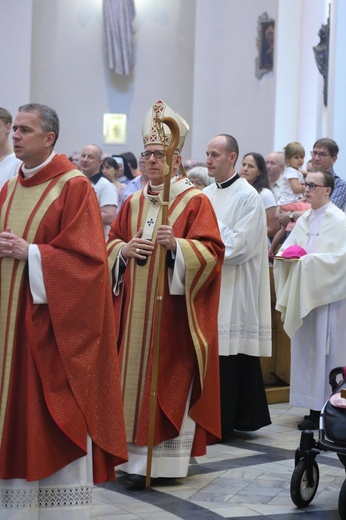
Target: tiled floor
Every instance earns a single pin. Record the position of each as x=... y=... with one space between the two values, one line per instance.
x=247 y=478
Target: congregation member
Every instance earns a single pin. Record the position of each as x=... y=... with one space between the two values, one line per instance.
x=61 y=414
x=189 y=164
x=110 y=170
x=106 y=192
x=188 y=406
x=199 y=177
x=292 y=192
x=275 y=162
x=132 y=162
x=323 y=156
x=75 y=159
x=124 y=174
x=254 y=170
x=244 y=321
x=9 y=164
x=309 y=167
x=311 y=296
x=138 y=183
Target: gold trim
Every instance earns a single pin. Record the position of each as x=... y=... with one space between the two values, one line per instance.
x=25 y=201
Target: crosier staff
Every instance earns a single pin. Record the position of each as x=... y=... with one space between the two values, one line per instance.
x=174 y=128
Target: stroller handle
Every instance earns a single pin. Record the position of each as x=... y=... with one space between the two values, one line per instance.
x=334 y=373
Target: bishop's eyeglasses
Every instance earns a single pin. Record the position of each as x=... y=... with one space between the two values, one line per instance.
x=158 y=154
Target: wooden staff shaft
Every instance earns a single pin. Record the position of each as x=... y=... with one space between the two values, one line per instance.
x=173 y=126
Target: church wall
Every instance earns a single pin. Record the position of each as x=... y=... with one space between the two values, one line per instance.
x=228 y=97
x=79 y=83
x=174 y=61
x=299 y=110
x=197 y=55
x=336 y=123
x=15 y=55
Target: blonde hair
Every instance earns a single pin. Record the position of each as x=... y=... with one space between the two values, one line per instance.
x=292 y=149
x=5 y=116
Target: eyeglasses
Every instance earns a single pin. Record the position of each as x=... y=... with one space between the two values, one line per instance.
x=158 y=154
x=312 y=186
x=319 y=154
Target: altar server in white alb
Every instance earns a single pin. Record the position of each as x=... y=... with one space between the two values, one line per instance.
x=311 y=295
x=244 y=318
x=9 y=164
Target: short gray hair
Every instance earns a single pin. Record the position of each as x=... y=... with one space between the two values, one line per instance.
x=49 y=118
x=201 y=173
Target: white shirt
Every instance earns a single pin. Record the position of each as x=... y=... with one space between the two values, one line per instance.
x=107 y=195
x=268 y=198
x=9 y=167
x=276 y=188
x=287 y=195
x=106 y=192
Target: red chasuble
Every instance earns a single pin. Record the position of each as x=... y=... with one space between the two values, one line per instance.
x=58 y=361
x=189 y=335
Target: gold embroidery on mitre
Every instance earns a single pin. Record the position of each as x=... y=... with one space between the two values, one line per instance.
x=156 y=132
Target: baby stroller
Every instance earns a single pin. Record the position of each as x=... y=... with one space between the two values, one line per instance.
x=331 y=437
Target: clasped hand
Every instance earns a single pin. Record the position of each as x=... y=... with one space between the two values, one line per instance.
x=141 y=248
x=13 y=246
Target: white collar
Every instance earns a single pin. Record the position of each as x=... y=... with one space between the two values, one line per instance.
x=29 y=172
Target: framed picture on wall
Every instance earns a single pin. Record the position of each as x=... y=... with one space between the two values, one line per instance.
x=265 y=45
x=114 y=128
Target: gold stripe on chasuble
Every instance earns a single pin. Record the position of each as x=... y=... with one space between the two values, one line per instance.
x=137 y=338
x=190 y=257
x=199 y=340
x=23 y=211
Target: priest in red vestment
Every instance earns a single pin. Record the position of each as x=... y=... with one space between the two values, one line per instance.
x=188 y=408
x=61 y=414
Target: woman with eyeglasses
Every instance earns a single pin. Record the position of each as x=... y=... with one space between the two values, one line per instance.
x=292 y=192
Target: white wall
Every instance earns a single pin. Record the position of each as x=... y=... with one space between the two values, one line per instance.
x=336 y=124
x=197 y=55
x=15 y=55
x=299 y=110
x=71 y=74
x=228 y=97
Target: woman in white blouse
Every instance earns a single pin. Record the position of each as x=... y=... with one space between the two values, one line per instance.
x=254 y=170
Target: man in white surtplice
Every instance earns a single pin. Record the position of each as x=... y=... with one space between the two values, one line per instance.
x=311 y=295
x=9 y=164
x=244 y=318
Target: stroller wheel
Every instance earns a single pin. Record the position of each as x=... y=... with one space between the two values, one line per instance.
x=342 y=502
x=301 y=493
